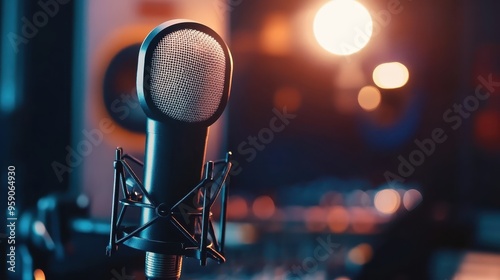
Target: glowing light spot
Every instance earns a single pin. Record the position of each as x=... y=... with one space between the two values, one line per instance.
x=338 y=219
x=390 y=75
x=358 y=198
x=363 y=221
x=263 y=207
x=369 y=98
x=315 y=218
x=38 y=274
x=478 y=266
x=288 y=97
x=39 y=228
x=276 y=36
x=82 y=201
x=361 y=254
x=411 y=199
x=343 y=27
x=387 y=201
x=248 y=234
x=237 y=207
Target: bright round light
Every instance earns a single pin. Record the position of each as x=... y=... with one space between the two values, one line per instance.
x=390 y=75
x=387 y=201
x=343 y=27
x=263 y=207
x=338 y=219
x=39 y=228
x=369 y=98
x=238 y=207
x=38 y=274
x=361 y=254
x=411 y=199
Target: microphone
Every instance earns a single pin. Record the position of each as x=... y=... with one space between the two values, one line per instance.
x=183 y=83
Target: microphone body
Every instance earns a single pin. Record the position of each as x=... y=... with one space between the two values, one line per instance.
x=173 y=164
x=183 y=83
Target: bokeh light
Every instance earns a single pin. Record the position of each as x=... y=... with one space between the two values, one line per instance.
x=276 y=35
x=248 y=233
x=315 y=219
x=38 y=274
x=387 y=201
x=39 y=228
x=363 y=221
x=358 y=198
x=237 y=207
x=343 y=27
x=369 y=98
x=478 y=266
x=338 y=219
x=263 y=207
x=391 y=75
x=361 y=254
x=411 y=199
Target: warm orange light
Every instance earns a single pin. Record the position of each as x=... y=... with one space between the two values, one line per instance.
x=338 y=219
x=363 y=221
x=391 y=75
x=343 y=27
x=248 y=233
x=237 y=207
x=411 y=199
x=387 y=201
x=361 y=254
x=38 y=274
x=276 y=36
x=315 y=218
x=287 y=97
x=478 y=266
x=263 y=207
x=369 y=98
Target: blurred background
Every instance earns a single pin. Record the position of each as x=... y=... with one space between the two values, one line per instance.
x=366 y=136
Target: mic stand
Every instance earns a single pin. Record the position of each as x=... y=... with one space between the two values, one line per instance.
x=164 y=259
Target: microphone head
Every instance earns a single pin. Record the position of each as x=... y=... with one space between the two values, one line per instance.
x=184 y=74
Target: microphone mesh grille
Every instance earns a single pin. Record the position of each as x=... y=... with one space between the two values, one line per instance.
x=187 y=75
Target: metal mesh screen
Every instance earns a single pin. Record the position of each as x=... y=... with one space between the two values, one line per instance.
x=187 y=75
